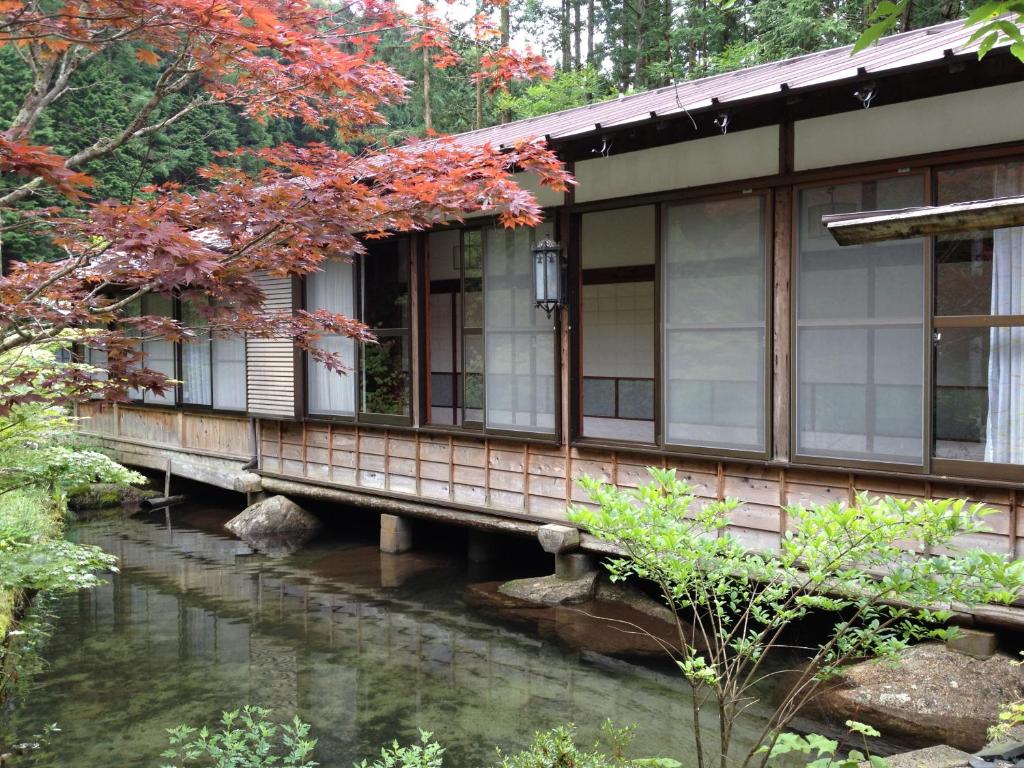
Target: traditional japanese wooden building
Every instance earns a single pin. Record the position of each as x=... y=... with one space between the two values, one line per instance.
x=710 y=321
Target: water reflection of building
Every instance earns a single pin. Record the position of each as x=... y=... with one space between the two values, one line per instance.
x=362 y=663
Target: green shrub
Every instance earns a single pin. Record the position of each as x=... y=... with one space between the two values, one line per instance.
x=866 y=564
x=558 y=748
x=33 y=555
x=427 y=754
x=247 y=738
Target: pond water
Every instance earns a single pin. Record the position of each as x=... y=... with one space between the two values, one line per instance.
x=366 y=647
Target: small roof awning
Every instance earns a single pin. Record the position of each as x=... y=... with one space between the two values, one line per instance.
x=905 y=223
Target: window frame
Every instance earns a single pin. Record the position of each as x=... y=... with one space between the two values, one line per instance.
x=358 y=415
x=458 y=336
x=661 y=409
x=200 y=407
x=556 y=217
x=962 y=468
x=839 y=463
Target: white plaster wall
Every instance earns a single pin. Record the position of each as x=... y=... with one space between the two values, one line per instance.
x=740 y=155
x=971 y=119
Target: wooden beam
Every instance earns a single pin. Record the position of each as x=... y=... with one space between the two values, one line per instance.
x=906 y=223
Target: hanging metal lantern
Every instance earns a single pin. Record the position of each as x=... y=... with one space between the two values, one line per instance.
x=547 y=275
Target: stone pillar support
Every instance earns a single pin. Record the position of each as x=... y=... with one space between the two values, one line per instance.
x=395 y=534
x=562 y=541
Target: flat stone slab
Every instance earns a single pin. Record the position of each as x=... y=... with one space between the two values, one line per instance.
x=551 y=590
x=557 y=539
x=941 y=756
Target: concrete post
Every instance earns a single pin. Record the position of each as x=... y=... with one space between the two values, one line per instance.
x=395 y=534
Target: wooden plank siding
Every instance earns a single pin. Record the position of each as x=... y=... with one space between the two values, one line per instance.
x=271 y=363
x=524 y=480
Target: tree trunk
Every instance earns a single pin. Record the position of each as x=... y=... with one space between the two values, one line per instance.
x=590 y=32
x=566 y=38
x=479 y=104
x=428 y=118
x=577 y=31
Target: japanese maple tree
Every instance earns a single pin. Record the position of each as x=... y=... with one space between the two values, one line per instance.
x=272 y=59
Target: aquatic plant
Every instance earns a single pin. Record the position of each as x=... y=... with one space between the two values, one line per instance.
x=558 y=748
x=885 y=570
x=427 y=754
x=247 y=738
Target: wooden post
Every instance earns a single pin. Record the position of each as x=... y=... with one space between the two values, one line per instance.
x=167 y=492
x=781 y=331
x=783 y=502
x=330 y=451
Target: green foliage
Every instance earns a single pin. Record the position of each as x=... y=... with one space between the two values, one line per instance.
x=427 y=754
x=247 y=738
x=863 y=563
x=105 y=96
x=825 y=751
x=39 y=447
x=34 y=556
x=997 y=22
x=565 y=90
x=558 y=748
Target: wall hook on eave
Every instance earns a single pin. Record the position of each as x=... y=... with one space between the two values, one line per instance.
x=866 y=94
x=606 y=147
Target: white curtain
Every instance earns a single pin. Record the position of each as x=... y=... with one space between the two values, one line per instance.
x=331 y=289
x=519 y=341
x=1004 y=431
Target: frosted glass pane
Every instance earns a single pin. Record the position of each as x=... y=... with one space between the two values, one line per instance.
x=331 y=289
x=519 y=341
x=196 y=387
x=159 y=353
x=714 y=289
x=229 y=373
x=860 y=345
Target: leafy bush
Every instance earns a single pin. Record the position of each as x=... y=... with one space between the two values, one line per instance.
x=248 y=738
x=867 y=564
x=557 y=748
x=34 y=556
x=826 y=752
x=427 y=754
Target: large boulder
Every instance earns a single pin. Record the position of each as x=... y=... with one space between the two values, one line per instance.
x=276 y=525
x=931 y=694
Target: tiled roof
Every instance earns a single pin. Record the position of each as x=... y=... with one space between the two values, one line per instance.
x=909 y=49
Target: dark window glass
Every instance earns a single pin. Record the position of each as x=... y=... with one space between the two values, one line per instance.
x=386 y=366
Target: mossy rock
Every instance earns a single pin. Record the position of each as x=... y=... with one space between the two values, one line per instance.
x=95 y=496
